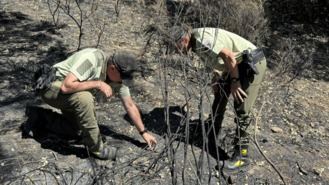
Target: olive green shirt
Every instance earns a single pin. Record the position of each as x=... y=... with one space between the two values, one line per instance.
x=88 y=64
x=210 y=41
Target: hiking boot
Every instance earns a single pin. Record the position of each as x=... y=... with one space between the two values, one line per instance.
x=235 y=164
x=241 y=151
x=239 y=159
x=107 y=153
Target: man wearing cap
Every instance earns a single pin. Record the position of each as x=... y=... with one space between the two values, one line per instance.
x=224 y=51
x=92 y=70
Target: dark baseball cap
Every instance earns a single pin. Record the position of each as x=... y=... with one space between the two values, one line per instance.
x=126 y=64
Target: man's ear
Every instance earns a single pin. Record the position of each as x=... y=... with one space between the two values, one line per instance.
x=111 y=67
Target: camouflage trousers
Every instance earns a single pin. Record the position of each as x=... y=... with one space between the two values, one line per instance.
x=78 y=108
x=250 y=83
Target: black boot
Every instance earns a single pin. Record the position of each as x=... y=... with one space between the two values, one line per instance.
x=239 y=159
x=106 y=153
x=101 y=151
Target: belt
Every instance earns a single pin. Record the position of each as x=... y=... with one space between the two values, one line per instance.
x=255 y=55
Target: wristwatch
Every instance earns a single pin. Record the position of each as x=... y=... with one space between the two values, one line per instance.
x=143 y=131
x=234 y=80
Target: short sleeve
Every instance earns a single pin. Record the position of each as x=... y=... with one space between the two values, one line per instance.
x=120 y=89
x=208 y=41
x=84 y=67
x=208 y=46
x=124 y=91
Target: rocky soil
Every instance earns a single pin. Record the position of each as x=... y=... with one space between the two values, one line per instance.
x=292 y=113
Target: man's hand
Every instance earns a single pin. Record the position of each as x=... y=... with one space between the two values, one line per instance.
x=229 y=58
x=105 y=88
x=135 y=116
x=237 y=92
x=150 y=140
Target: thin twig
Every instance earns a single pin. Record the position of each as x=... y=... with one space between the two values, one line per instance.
x=260 y=150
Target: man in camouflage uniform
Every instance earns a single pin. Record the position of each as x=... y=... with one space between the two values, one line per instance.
x=222 y=51
x=76 y=77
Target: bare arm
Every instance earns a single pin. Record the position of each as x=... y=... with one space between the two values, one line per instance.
x=71 y=84
x=229 y=58
x=135 y=116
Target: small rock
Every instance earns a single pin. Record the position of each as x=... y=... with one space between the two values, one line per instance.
x=6 y=52
x=276 y=130
x=312 y=124
x=260 y=163
x=318 y=171
x=4 y=83
x=293 y=132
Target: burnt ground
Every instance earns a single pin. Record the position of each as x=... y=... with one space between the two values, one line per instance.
x=299 y=108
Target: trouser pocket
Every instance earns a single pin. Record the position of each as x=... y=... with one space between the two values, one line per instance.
x=52 y=92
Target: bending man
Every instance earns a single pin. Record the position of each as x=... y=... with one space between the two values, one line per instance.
x=223 y=51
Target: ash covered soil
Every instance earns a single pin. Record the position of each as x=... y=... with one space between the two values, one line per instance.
x=292 y=128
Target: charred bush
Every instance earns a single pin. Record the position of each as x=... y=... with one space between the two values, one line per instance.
x=243 y=18
x=305 y=12
x=288 y=58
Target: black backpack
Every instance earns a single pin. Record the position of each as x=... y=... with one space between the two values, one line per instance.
x=43 y=77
